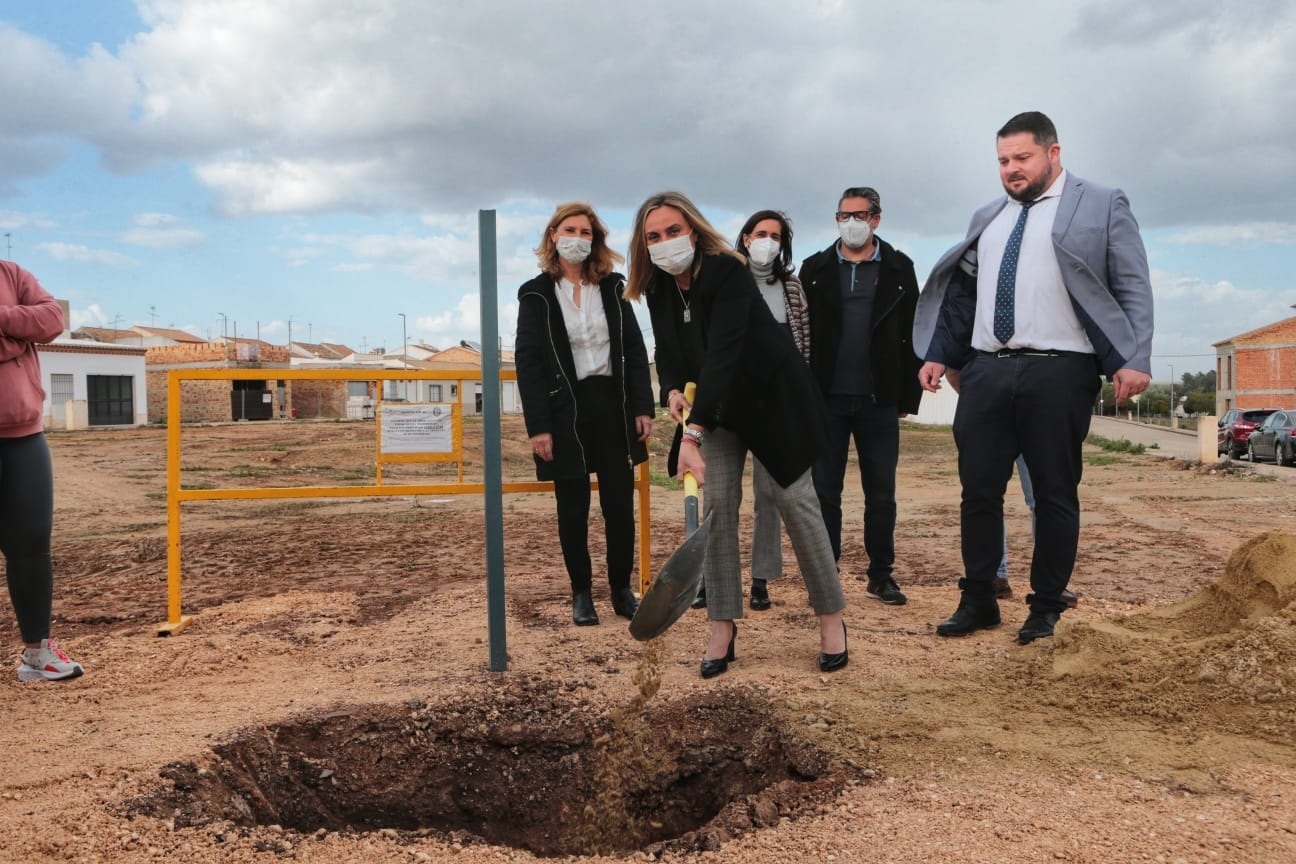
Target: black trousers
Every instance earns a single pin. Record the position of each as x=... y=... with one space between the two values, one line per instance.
x=876 y=432
x=1038 y=406
x=601 y=428
x=26 y=520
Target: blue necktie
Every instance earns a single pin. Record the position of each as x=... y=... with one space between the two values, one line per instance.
x=1004 y=314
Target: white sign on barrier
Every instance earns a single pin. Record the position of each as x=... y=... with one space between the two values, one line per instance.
x=417 y=428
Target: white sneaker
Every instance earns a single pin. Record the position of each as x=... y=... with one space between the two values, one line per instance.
x=47 y=662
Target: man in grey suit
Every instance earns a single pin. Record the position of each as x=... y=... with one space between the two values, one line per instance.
x=1049 y=289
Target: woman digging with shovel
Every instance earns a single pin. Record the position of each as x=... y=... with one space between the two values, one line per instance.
x=754 y=393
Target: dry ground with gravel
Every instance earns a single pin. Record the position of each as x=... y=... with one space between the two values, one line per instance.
x=331 y=701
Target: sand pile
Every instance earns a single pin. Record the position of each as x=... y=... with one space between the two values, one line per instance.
x=1229 y=651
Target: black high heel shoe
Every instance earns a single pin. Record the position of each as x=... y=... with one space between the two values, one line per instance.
x=712 y=668
x=833 y=662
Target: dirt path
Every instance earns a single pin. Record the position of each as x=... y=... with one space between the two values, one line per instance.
x=337 y=665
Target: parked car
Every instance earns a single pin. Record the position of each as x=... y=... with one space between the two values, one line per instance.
x=1274 y=439
x=1235 y=427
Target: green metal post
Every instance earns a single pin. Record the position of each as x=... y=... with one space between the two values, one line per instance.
x=492 y=454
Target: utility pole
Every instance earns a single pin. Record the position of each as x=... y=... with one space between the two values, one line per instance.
x=1174 y=419
x=290 y=333
x=152 y=315
x=8 y=246
x=224 y=328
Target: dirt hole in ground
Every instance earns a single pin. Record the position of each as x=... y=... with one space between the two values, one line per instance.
x=516 y=765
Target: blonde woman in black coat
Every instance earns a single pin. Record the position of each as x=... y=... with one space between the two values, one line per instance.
x=582 y=373
x=754 y=394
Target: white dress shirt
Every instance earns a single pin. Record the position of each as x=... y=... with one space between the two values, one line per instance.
x=1044 y=317
x=587 y=329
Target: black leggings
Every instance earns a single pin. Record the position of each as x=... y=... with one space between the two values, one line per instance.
x=26 y=520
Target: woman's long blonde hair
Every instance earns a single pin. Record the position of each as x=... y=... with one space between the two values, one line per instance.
x=601 y=261
x=709 y=241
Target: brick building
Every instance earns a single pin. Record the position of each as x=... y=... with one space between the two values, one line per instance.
x=214 y=401
x=1257 y=369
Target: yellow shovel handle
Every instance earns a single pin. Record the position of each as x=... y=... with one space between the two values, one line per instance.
x=690 y=485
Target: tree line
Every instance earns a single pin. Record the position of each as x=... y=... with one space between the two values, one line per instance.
x=1196 y=389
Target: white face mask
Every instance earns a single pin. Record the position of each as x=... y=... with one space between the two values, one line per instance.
x=763 y=250
x=573 y=249
x=674 y=256
x=855 y=234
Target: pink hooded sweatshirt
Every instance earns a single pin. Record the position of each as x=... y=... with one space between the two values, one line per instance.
x=28 y=315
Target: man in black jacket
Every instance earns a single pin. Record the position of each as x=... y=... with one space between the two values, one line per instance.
x=861 y=294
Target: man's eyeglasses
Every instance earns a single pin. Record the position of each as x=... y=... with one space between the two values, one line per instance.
x=857 y=215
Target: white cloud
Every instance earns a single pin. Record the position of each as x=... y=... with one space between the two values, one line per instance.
x=289 y=186
x=306 y=106
x=12 y=221
x=1192 y=314
x=91 y=316
x=412 y=105
x=463 y=321
x=85 y=255
x=1250 y=234
x=163 y=238
x=155 y=220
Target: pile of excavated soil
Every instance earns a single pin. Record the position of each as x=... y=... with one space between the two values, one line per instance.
x=1233 y=643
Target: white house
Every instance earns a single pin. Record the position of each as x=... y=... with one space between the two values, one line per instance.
x=92 y=384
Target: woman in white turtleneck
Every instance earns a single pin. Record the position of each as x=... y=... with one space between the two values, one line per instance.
x=766 y=241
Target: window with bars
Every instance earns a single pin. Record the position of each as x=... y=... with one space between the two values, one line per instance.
x=60 y=390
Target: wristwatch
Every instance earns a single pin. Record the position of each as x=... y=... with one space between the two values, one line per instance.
x=695 y=434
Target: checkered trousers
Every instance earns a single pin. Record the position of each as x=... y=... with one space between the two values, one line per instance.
x=725 y=456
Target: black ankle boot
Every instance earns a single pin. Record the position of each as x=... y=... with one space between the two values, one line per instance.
x=712 y=668
x=624 y=602
x=760 y=598
x=583 y=614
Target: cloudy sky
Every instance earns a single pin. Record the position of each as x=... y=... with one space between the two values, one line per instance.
x=207 y=164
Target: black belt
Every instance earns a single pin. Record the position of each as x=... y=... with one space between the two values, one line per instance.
x=1032 y=352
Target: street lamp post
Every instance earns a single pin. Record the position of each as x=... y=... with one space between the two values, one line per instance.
x=404 y=343
x=1174 y=423
x=404 y=351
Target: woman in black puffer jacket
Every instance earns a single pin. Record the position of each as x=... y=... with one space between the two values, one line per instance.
x=582 y=373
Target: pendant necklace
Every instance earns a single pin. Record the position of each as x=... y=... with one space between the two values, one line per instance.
x=688 y=313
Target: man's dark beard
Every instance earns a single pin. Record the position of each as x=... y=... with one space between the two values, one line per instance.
x=1033 y=190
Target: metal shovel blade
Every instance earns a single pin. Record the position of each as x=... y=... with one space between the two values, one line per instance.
x=672 y=593
x=675 y=588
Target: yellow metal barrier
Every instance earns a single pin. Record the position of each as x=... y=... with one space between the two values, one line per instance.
x=176 y=621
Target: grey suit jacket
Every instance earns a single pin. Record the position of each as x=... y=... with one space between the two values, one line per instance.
x=1104 y=268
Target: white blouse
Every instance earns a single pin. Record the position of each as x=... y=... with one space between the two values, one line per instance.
x=587 y=329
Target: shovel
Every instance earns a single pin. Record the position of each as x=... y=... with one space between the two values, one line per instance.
x=672 y=593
